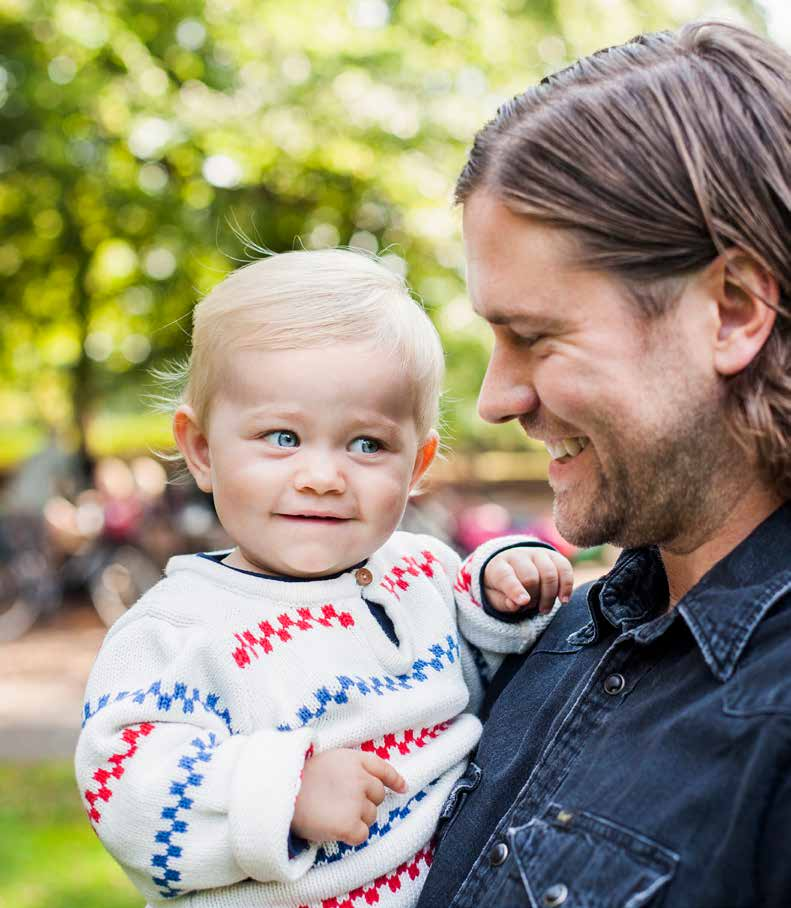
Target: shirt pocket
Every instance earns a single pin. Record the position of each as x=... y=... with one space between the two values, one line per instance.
x=578 y=860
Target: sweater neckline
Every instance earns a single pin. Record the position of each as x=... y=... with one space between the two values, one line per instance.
x=217 y=558
x=262 y=586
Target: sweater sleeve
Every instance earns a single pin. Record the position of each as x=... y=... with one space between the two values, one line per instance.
x=176 y=786
x=492 y=635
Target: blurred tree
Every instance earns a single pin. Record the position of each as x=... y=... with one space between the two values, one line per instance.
x=139 y=140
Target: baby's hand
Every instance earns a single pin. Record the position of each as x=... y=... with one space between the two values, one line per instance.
x=340 y=792
x=519 y=576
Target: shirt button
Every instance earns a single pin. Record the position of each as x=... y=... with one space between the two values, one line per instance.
x=555 y=895
x=498 y=854
x=614 y=685
x=363 y=576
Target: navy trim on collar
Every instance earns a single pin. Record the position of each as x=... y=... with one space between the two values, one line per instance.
x=216 y=558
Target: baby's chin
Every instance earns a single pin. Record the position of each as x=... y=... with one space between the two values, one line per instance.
x=309 y=565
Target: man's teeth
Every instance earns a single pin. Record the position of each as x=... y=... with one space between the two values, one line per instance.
x=566 y=447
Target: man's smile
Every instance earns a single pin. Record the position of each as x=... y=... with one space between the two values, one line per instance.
x=564 y=449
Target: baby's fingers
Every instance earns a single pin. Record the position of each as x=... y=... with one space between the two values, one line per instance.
x=504 y=590
x=565 y=576
x=383 y=771
x=550 y=581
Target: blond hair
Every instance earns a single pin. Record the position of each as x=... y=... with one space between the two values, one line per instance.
x=658 y=155
x=300 y=299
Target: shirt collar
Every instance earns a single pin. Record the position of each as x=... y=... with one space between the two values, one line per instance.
x=725 y=607
x=722 y=610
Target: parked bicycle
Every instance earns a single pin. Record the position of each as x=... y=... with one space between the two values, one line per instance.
x=109 y=544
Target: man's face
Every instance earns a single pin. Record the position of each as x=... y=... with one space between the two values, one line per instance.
x=629 y=409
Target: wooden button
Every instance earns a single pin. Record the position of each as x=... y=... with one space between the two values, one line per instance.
x=363 y=576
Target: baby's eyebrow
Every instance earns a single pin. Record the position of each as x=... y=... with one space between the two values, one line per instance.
x=272 y=411
x=375 y=422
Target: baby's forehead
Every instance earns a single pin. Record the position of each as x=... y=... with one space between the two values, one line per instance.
x=352 y=383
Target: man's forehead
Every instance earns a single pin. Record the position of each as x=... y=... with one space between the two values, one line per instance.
x=515 y=296
x=517 y=267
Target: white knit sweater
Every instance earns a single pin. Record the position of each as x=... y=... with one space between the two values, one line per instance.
x=208 y=696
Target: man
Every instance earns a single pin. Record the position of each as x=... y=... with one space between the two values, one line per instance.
x=627 y=233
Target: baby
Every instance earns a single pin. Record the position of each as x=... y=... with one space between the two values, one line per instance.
x=280 y=724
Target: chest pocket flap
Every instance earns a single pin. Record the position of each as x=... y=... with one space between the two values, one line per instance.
x=578 y=860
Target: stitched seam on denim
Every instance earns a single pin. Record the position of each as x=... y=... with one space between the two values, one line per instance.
x=723 y=666
x=502 y=826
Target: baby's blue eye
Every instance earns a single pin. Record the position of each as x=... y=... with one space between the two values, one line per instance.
x=282 y=438
x=365 y=445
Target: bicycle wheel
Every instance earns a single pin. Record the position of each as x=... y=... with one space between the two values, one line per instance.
x=121 y=580
x=28 y=589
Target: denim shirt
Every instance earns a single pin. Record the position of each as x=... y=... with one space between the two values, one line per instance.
x=637 y=756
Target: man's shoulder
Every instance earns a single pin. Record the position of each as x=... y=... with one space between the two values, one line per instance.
x=572 y=617
x=761 y=684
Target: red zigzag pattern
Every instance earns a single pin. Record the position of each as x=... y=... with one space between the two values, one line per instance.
x=407 y=742
x=249 y=642
x=463 y=582
x=103 y=776
x=396 y=578
x=370 y=894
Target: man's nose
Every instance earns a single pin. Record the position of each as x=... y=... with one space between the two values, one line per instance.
x=319 y=472
x=506 y=393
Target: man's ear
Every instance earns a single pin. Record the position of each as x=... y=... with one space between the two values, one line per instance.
x=746 y=294
x=194 y=446
x=425 y=456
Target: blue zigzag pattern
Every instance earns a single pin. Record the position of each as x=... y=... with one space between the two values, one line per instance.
x=165 y=700
x=439 y=658
x=175 y=815
x=329 y=854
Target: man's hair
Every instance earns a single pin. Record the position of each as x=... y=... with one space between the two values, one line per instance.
x=658 y=155
x=301 y=299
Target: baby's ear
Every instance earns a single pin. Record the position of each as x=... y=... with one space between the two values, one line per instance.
x=425 y=456
x=194 y=446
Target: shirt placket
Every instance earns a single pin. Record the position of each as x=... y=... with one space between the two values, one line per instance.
x=615 y=673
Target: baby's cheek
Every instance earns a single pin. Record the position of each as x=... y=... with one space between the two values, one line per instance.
x=391 y=499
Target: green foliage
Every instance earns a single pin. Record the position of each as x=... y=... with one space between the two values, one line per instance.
x=49 y=855
x=137 y=138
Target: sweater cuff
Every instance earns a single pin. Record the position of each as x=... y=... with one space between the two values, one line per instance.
x=264 y=789
x=484 y=555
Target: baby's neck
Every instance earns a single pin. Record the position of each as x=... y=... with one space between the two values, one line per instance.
x=237 y=562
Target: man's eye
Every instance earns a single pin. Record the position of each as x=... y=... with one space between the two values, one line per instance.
x=282 y=438
x=365 y=446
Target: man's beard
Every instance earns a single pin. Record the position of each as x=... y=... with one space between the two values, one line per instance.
x=667 y=489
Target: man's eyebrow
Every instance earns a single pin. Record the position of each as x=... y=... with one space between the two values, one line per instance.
x=524 y=321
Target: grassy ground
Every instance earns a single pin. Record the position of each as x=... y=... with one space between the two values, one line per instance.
x=49 y=855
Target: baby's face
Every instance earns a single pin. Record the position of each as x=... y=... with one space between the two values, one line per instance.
x=313 y=453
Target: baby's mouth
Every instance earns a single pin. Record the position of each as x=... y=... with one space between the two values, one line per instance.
x=564 y=449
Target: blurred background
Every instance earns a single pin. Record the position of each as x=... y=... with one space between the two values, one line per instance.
x=147 y=148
